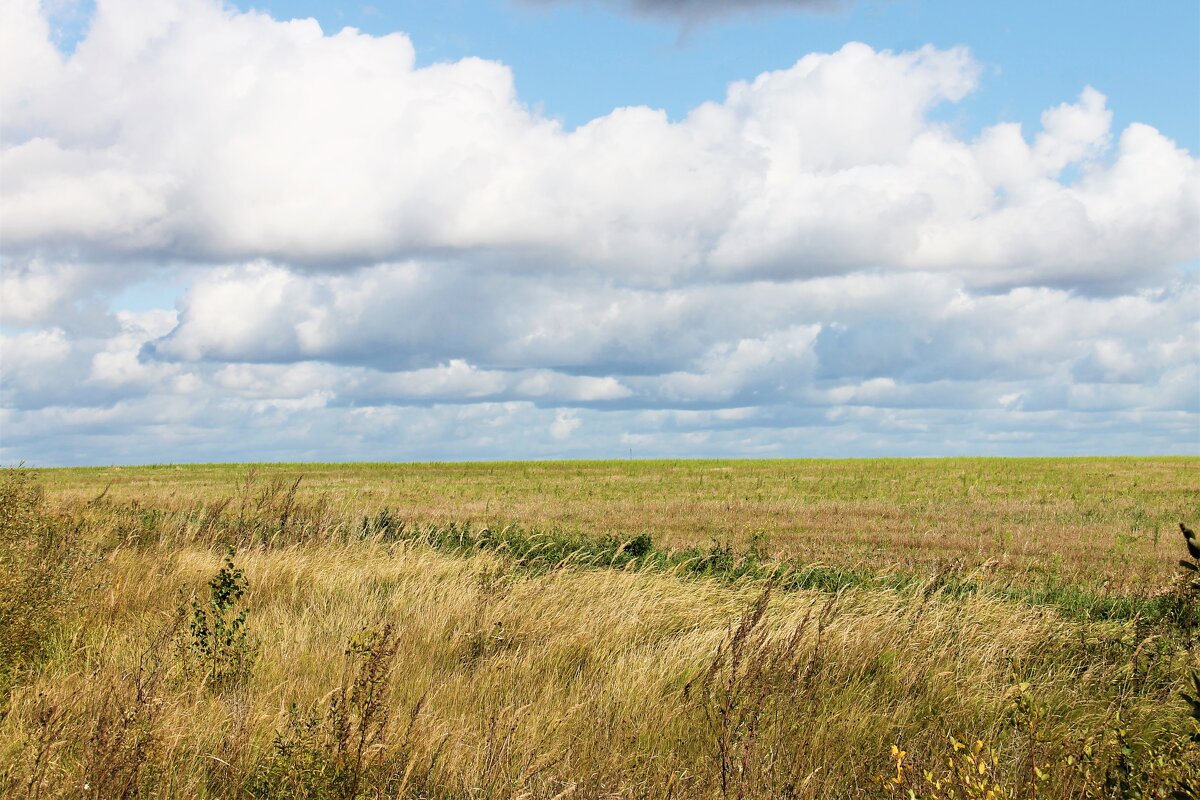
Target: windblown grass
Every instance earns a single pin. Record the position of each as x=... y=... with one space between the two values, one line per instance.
x=390 y=657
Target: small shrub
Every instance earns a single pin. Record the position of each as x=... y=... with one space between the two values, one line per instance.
x=638 y=546
x=1106 y=765
x=1027 y=716
x=1193 y=548
x=1181 y=599
x=384 y=524
x=966 y=772
x=218 y=641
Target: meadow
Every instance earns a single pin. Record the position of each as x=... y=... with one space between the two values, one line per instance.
x=946 y=628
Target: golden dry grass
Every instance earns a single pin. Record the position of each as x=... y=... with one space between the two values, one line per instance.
x=586 y=668
x=546 y=683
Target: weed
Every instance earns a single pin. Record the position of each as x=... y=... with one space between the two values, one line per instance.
x=124 y=735
x=966 y=772
x=750 y=696
x=351 y=747
x=1180 y=599
x=638 y=546
x=1110 y=763
x=1027 y=716
x=29 y=772
x=267 y=512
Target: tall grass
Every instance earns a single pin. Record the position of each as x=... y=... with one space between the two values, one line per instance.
x=383 y=664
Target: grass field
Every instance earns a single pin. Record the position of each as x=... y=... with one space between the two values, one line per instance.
x=1097 y=522
x=950 y=628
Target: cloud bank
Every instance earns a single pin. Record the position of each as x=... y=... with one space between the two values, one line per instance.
x=381 y=260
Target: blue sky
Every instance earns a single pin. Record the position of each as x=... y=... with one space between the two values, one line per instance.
x=561 y=229
x=578 y=61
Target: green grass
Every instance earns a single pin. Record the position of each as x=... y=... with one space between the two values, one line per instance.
x=1107 y=525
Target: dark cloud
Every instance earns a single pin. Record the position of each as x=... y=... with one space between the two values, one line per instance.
x=694 y=10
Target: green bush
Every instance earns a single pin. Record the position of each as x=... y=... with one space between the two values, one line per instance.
x=218 y=638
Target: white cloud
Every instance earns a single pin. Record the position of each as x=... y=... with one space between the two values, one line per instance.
x=67 y=294
x=32 y=293
x=877 y=354
x=118 y=362
x=34 y=350
x=389 y=261
x=1072 y=133
x=565 y=423
x=235 y=136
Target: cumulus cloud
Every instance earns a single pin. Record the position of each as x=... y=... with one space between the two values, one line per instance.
x=70 y=294
x=202 y=133
x=390 y=261
x=36 y=292
x=697 y=343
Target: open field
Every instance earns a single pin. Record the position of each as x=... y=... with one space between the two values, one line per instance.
x=784 y=629
x=1096 y=521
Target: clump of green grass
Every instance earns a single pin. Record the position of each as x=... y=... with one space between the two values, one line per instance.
x=539 y=551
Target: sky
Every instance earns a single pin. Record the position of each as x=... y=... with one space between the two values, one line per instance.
x=518 y=229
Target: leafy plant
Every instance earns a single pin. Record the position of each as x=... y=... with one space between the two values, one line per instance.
x=1111 y=763
x=1184 y=595
x=967 y=772
x=1193 y=548
x=218 y=635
